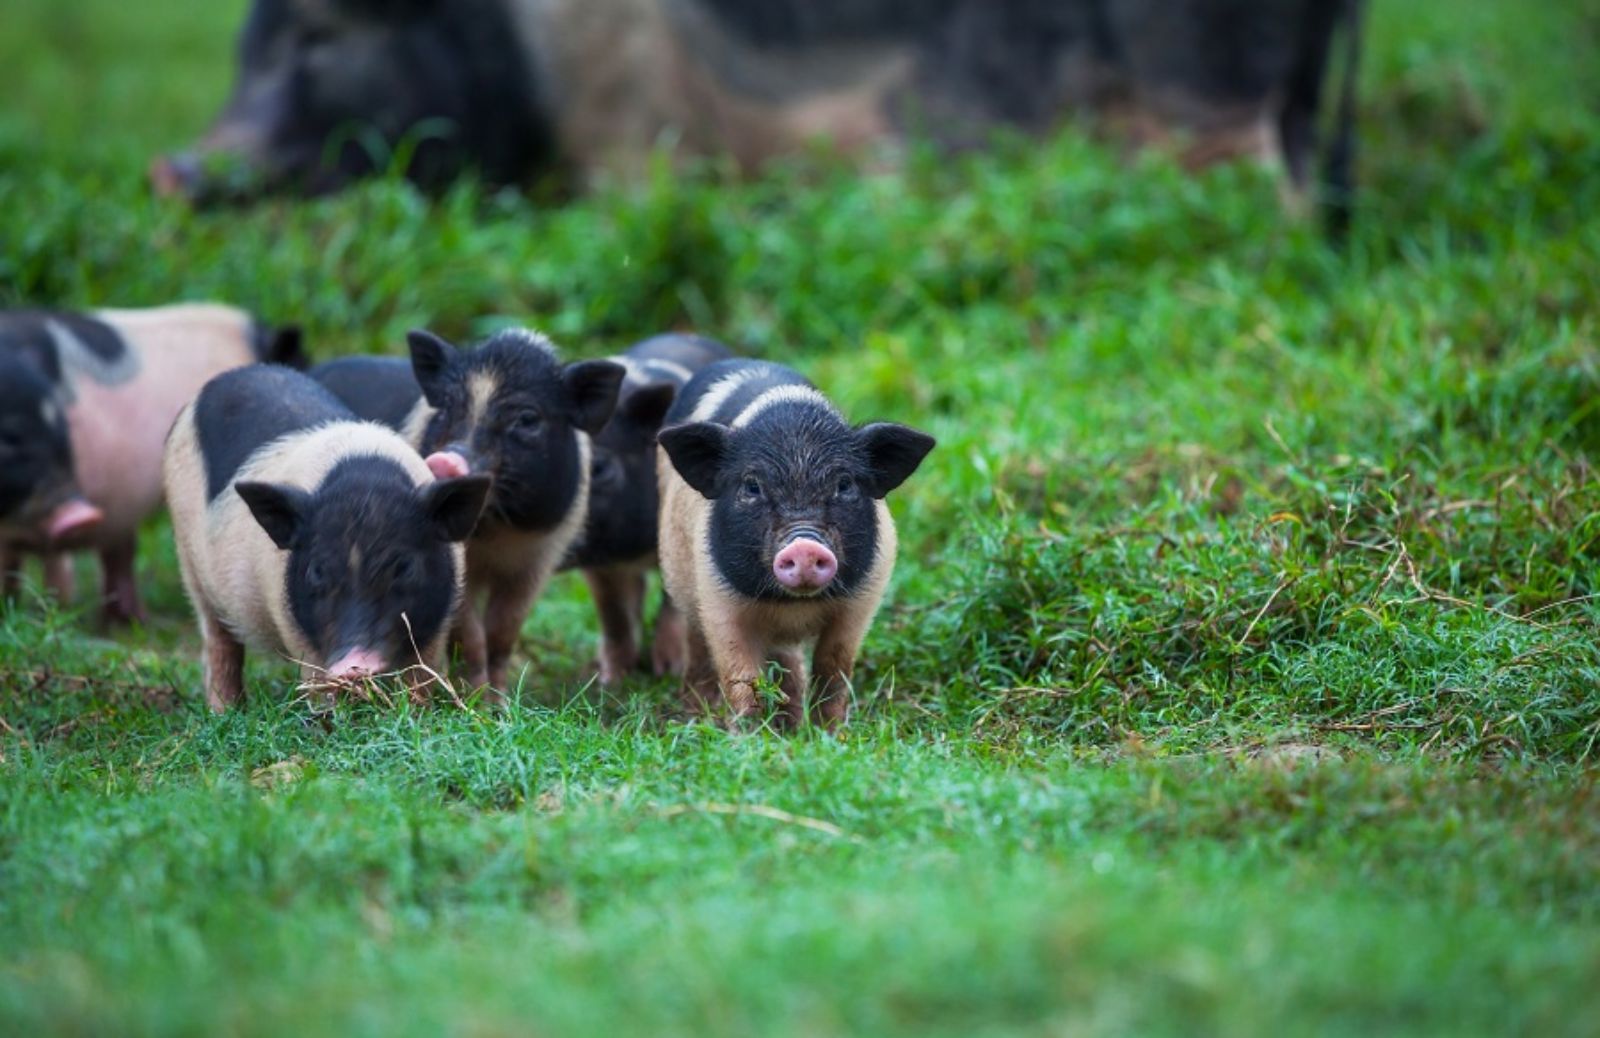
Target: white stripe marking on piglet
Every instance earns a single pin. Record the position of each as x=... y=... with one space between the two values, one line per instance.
x=720 y=391
x=779 y=395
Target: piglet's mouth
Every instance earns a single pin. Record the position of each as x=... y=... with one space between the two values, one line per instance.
x=357 y=665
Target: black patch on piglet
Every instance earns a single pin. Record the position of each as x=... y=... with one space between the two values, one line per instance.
x=623 y=496
x=377 y=389
x=281 y=344
x=691 y=352
x=35 y=447
x=242 y=410
x=893 y=453
x=367 y=548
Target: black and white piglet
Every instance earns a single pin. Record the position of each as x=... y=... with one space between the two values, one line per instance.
x=86 y=400
x=304 y=531
x=774 y=532
x=618 y=546
x=508 y=409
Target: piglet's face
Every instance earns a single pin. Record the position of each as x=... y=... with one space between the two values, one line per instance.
x=368 y=555
x=794 y=511
x=508 y=409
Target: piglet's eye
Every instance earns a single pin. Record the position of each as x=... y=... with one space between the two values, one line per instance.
x=846 y=487
x=403 y=569
x=527 y=421
x=752 y=487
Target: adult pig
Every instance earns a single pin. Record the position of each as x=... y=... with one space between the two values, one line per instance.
x=618 y=546
x=306 y=532
x=518 y=88
x=774 y=533
x=88 y=399
x=509 y=409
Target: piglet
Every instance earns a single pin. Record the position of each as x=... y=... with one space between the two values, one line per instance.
x=509 y=409
x=617 y=550
x=85 y=403
x=774 y=533
x=304 y=531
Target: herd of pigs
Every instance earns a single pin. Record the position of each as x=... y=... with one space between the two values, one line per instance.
x=372 y=517
x=369 y=516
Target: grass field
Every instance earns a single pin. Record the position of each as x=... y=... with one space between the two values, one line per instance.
x=1241 y=674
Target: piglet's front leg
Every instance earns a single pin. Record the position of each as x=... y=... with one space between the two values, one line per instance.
x=738 y=659
x=224 y=665
x=834 y=662
x=506 y=609
x=468 y=638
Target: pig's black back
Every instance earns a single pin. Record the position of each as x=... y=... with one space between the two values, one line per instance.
x=667 y=357
x=243 y=410
x=736 y=383
x=376 y=389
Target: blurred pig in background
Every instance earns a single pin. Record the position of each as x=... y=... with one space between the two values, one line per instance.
x=327 y=90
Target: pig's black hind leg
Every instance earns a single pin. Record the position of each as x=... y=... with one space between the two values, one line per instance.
x=121 y=603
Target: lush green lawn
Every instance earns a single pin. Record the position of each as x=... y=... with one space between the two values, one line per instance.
x=1241 y=674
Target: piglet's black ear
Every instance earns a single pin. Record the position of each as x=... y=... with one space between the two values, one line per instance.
x=454 y=505
x=285 y=345
x=431 y=360
x=893 y=453
x=592 y=387
x=280 y=509
x=648 y=406
x=698 y=451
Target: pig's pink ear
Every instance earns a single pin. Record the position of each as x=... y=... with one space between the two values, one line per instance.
x=592 y=386
x=431 y=360
x=698 y=451
x=893 y=454
x=648 y=405
x=281 y=510
x=454 y=505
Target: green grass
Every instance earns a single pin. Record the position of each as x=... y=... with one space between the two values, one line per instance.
x=1241 y=674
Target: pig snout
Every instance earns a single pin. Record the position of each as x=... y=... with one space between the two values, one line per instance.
x=357 y=664
x=805 y=565
x=72 y=518
x=448 y=464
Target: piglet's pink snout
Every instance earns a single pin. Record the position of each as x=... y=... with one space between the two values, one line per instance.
x=805 y=565
x=73 y=517
x=357 y=664
x=447 y=465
